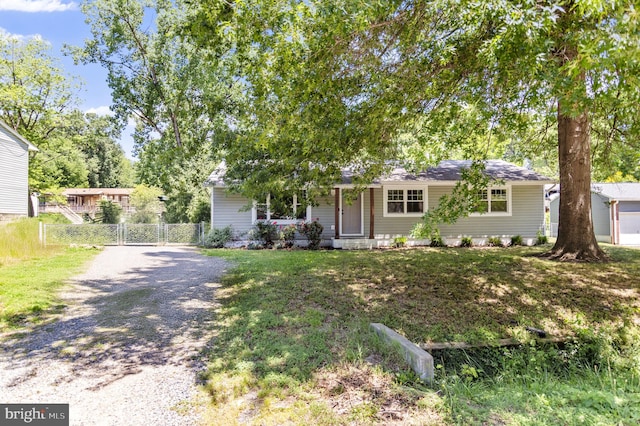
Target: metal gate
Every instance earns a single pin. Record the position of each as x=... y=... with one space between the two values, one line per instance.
x=123 y=234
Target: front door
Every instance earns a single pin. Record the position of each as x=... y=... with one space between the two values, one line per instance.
x=352 y=217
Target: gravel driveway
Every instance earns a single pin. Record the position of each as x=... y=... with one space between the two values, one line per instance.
x=127 y=350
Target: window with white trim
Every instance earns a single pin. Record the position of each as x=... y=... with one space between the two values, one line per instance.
x=496 y=201
x=286 y=210
x=404 y=201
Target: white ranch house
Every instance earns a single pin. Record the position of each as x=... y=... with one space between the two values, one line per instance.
x=393 y=204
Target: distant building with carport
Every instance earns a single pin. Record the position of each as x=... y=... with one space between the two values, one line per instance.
x=615 y=209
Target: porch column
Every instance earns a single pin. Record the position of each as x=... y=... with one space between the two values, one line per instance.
x=371 y=214
x=337 y=212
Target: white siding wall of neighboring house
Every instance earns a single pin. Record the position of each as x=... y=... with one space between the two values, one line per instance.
x=601 y=216
x=14 y=180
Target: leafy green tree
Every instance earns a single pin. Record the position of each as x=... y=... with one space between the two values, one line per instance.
x=34 y=91
x=109 y=212
x=35 y=95
x=96 y=137
x=145 y=200
x=337 y=84
x=178 y=89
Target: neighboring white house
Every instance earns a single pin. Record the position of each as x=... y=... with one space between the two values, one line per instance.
x=615 y=210
x=14 y=173
x=392 y=205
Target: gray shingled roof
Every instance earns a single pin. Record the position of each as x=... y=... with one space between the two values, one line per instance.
x=618 y=191
x=446 y=171
x=451 y=171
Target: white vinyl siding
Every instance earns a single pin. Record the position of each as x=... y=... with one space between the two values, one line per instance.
x=14 y=176
x=234 y=210
x=230 y=209
x=526 y=215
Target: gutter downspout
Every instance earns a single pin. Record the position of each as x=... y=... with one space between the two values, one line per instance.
x=337 y=213
x=213 y=191
x=615 y=223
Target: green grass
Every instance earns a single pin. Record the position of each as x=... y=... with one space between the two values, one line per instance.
x=294 y=346
x=19 y=239
x=31 y=276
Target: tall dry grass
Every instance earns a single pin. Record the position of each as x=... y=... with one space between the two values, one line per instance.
x=19 y=239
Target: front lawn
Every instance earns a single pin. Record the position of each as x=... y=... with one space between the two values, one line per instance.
x=294 y=344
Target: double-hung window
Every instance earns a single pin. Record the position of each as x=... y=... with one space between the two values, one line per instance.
x=404 y=201
x=283 y=210
x=493 y=201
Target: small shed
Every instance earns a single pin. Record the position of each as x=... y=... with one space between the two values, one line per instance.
x=14 y=173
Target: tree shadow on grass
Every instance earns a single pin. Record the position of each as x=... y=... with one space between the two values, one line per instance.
x=122 y=319
x=301 y=314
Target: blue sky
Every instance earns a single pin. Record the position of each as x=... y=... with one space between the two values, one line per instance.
x=60 y=22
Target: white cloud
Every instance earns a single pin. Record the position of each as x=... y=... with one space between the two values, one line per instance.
x=101 y=110
x=37 y=5
x=20 y=37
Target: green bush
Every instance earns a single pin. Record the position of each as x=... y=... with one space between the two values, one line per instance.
x=218 y=237
x=495 y=242
x=436 y=239
x=466 y=242
x=541 y=239
x=516 y=240
x=288 y=235
x=400 y=241
x=313 y=232
x=265 y=232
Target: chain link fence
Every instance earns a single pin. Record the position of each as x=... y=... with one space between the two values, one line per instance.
x=123 y=234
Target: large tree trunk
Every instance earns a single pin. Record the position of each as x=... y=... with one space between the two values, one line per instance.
x=576 y=238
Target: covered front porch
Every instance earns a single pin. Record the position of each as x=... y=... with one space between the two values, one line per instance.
x=355 y=222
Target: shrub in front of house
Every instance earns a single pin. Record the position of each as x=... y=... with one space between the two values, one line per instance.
x=516 y=240
x=400 y=241
x=313 y=232
x=266 y=233
x=541 y=239
x=495 y=242
x=466 y=242
x=287 y=235
x=218 y=237
x=436 y=239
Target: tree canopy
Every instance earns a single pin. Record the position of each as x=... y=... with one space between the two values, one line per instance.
x=356 y=83
x=38 y=100
x=179 y=91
